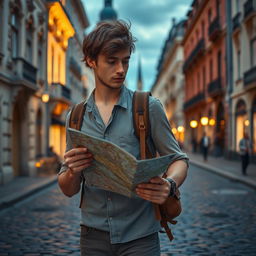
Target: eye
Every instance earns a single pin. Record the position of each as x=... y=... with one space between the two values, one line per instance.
x=125 y=62
x=111 y=62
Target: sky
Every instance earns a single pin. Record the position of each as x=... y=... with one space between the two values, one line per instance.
x=151 y=22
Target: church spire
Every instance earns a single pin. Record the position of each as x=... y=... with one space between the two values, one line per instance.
x=139 y=81
x=108 y=12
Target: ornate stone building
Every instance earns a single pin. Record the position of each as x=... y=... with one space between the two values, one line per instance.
x=242 y=90
x=37 y=63
x=169 y=83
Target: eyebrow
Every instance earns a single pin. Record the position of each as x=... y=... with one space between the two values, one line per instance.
x=114 y=58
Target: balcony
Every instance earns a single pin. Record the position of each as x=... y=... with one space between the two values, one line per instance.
x=236 y=22
x=60 y=91
x=198 y=50
x=249 y=8
x=214 y=87
x=194 y=101
x=26 y=71
x=250 y=76
x=214 y=29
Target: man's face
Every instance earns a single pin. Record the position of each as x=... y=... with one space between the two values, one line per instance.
x=110 y=71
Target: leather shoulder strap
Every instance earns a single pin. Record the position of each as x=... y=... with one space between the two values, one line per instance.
x=76 y=116
x=75 y=122
x=141 y=123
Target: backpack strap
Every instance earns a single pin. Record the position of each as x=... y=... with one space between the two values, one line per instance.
x=77 y=116
x=75 y=122
x=141 y=123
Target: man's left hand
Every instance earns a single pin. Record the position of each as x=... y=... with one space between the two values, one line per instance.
x=156 y=190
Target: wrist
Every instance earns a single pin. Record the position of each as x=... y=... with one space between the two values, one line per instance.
x=173 y=187
x=73 y=175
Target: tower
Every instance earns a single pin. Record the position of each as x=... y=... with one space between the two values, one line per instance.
x=108 y=12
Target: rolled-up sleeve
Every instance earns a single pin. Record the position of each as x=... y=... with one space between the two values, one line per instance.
x=68 y=145
x=162 y=136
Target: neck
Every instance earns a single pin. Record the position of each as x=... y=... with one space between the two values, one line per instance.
x=106 y=96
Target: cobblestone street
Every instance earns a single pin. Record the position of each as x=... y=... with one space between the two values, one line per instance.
x=218 y=218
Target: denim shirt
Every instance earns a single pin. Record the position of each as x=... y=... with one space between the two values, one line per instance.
x=125 y=218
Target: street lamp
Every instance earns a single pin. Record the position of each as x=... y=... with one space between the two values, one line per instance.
x=204 y=120
x=45 y=99
x=193 y=123
x=212 y=122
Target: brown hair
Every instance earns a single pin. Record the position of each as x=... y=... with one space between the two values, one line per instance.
x=107 y=38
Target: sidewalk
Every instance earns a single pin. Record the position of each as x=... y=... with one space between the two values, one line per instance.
x=226 y=168
x=22 y=187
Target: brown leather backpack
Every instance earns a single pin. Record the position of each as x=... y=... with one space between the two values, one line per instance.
x=169 y=210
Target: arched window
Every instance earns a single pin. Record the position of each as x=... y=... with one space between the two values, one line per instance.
x=15 y=34
x=241 y=114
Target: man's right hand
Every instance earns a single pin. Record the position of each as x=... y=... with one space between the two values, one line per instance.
x=78 y=159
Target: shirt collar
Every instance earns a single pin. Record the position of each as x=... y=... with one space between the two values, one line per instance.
x=122 y=102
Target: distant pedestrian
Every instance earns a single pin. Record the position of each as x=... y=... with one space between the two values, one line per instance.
x=244 y=147
x=205 y=143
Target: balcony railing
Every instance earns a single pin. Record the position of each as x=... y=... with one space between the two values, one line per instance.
x=25 y=70
x=236 y=21
x=195 y=100
x=198 y=50
x=250 y=76
x=60 y=91
x=214 y=87
x=249 y=8
x=214 y=29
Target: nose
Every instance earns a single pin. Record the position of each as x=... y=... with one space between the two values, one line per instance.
x=120 y=68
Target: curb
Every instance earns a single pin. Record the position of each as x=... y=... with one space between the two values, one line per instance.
x=225 y=174
x=8 y=203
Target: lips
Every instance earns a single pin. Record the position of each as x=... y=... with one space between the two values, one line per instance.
x=119 y=79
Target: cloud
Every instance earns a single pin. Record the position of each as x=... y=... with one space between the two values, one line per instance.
x=151 y=23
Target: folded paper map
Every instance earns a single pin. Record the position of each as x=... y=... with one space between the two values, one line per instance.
x=115 y=169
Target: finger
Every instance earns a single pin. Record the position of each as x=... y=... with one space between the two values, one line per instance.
x=152 y=193
x=75 y=151
x=82 y=167
x=150 y=186
x=157 y=180
x=79 y=163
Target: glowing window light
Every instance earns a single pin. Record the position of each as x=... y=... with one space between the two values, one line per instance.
x=180 y=128
x=212 y=122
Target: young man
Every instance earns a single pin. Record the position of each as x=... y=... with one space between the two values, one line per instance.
x=113 y=224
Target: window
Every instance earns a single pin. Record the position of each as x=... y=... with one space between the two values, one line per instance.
x=204 y=78
x=237 y=6
x=211 y=70
x=29 y=44
x=14 y=35
x=238 y=64
x=253 y=52
x=202 y=28
x=219 y=68
x=40 y=63
x=210 y=16
x=198 y=82
x=53 y=64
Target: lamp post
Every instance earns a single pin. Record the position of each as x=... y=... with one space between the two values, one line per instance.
x=45 y=100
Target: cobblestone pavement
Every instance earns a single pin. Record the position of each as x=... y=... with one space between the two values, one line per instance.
x=219 y=218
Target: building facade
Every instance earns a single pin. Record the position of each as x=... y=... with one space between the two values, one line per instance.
x=35 y=88
x=204 y=43
x=243 y=89
x=169 y=84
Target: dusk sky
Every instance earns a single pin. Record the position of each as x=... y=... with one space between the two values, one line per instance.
x=151 y=21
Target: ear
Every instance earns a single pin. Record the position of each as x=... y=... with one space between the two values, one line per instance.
x=91 y=62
